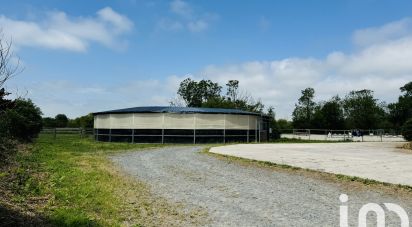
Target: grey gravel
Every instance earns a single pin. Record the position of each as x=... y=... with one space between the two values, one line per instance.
x=237 y=195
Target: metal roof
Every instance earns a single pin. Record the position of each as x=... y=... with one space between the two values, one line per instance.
x=172 y=109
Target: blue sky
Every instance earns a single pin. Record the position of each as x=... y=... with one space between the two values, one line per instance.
x=87 y=56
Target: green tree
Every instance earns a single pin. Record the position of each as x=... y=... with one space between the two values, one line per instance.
x=61 y=120
x=85 y=121
x=329 y=115
x=284 y=124
x=304 y=110
x=362 y=110
x=407 y=130
x=232 y=90
x=273 y=124
x=206 y=93
x=401 y=111
x=196 y=93
x=49 y=122
x=22 y=122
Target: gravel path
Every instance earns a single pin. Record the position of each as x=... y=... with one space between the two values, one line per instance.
x=237 y=195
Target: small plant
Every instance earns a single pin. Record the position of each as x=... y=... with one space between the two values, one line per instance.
x=407 y=130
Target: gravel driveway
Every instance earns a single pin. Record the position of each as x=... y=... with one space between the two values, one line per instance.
x=238 y=195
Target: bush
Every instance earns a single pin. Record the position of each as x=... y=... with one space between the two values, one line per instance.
x=407 y=130
x=7 y=148
x=23 y=122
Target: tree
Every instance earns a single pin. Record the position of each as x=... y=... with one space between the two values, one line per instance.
x=196 y=93
x=232 y=90
x=407 y=130
x=7 y=70
x=362 y=110
x=207 y=93
x=401 y=111
x=304 y=109
x=22 y=122
x=273 y=124
x=284 y=124
x=61 y=120
x=85 y=121
x=329 y=115
x=49 y=122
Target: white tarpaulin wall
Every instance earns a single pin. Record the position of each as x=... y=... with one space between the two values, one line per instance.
x=175 y=121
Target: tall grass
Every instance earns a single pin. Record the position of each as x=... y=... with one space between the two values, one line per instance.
x=70 y=181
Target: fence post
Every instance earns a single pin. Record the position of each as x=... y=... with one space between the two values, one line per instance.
x=55 y=133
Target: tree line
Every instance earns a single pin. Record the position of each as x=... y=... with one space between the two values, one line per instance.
x=62 y=121
x=357 y=110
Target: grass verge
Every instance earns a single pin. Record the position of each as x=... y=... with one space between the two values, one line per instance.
x=68 y=181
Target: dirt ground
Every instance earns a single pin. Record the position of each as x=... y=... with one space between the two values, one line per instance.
x=380 y=161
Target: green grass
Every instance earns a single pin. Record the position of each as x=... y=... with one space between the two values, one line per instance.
x=70 y=182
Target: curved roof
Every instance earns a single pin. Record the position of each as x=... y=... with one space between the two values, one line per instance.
x=172 y=109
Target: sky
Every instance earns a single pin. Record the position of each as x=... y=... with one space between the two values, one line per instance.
x=79 y=57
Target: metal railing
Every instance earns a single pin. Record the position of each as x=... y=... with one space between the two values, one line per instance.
x=360 y=135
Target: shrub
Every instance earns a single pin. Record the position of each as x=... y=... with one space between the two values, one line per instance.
x=22 y=122
x=407 y=130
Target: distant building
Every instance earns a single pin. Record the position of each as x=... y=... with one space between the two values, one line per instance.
x=179 y=125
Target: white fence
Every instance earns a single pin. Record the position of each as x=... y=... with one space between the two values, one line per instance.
x=342 y=135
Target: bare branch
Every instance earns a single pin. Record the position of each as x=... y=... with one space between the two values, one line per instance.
x=8 y=68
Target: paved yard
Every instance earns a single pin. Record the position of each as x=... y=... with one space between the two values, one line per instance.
x=375 y=160
x=231 y=194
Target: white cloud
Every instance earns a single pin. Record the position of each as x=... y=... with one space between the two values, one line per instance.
x=185 y=18
x=181 y=8
x=197 y=26
x=264 y=23
x=59 y=31
x=76 y=98
x=382 y=67
x=169 y=25
x=389 y=31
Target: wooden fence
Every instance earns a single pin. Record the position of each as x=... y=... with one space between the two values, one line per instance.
x=82 y=132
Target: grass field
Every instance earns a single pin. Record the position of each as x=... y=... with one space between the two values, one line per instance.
x=68 y=181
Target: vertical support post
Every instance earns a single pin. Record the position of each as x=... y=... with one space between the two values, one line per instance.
x=55 y=133
x=224 y=128
x=309 y=133
x=163 y=128
x=133 y=134
x=133 y=127
x=256 y=129
x=248 y=127
x=110 y=128
x=381 y=135
x=194 y=128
